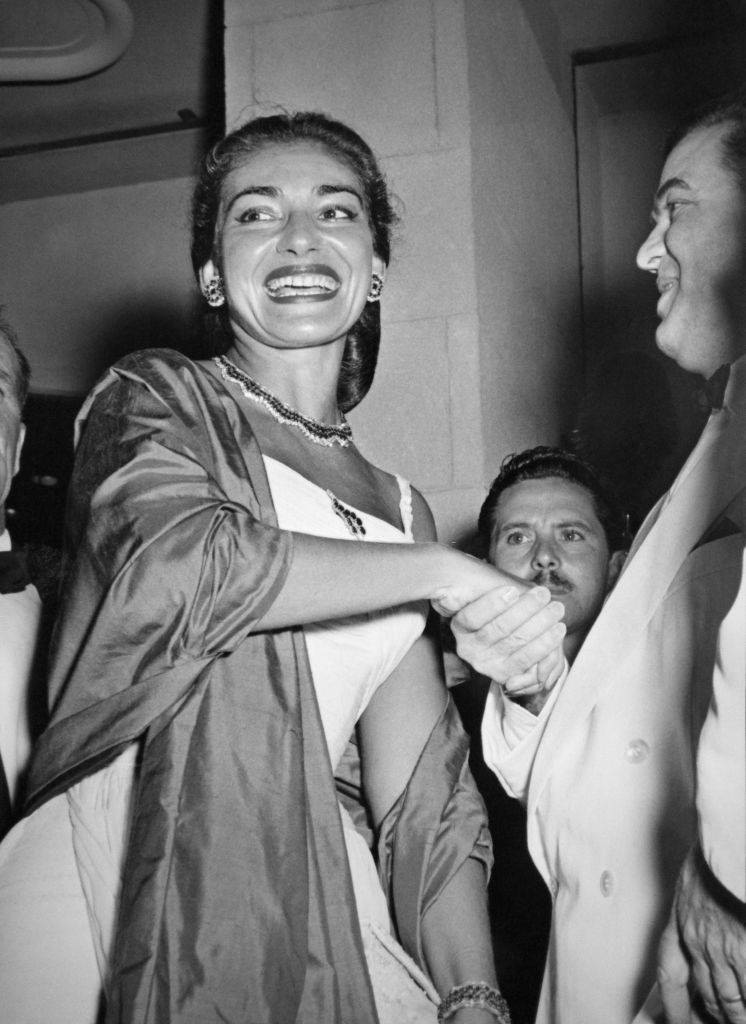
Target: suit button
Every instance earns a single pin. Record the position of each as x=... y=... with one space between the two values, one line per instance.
x=637 y=751
x=606 y=883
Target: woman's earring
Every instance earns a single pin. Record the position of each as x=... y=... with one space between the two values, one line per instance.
x=376 y=287
x=213 y=291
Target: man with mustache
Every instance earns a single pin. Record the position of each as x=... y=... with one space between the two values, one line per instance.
x=634 y=771
x=548 y=520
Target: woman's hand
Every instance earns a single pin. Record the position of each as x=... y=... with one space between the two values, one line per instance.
x=513 y=634
x=465 y=579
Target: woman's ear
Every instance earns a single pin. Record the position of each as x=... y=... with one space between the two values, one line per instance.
x=207 y=273
x=378 y=267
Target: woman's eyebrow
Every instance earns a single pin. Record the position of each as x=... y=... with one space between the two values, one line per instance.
x=327 y=190
x=271 y=191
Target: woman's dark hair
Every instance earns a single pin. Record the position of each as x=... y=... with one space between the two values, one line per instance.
x=363 y=339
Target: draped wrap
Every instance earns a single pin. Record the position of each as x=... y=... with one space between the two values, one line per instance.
x=236 y=903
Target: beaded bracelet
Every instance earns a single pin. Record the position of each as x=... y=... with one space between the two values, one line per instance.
x=474 y=993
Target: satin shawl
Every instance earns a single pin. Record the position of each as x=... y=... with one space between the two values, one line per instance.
x=237 y=903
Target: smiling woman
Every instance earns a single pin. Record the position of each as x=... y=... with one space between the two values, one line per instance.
x=254 y=796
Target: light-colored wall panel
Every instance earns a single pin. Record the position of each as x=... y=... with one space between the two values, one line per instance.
x=433 y=266
x=525 y=235
x=318 y=61
x=465 y=405
x=403 y=424
x=451 y=74
x=456 y=511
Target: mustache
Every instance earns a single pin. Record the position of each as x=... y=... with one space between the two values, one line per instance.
x=551 y=578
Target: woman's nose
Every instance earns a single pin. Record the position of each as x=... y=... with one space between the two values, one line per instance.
x=300 y=234
x=650 y=252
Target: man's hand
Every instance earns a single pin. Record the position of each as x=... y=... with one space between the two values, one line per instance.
x=702 y=954
x=515 y=639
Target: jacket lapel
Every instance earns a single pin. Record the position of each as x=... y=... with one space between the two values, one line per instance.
x=712 y=476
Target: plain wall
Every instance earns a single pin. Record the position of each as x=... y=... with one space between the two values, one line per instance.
x=88 y=276
x=525 y=235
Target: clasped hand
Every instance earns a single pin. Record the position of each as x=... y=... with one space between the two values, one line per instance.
x=511 y=633
x=702 y=955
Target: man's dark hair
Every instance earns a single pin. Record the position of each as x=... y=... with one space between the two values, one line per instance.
x=22 y=375
x=543 y=462
x=729 y=111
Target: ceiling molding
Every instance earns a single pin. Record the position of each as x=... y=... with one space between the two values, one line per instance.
x=91 y=35
x=96 y=165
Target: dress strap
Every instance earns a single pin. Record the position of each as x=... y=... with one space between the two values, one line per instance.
x=405 y=505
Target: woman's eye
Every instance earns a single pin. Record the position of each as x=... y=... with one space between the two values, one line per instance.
x=254 y=214
x=338 y=213
x=673 y=206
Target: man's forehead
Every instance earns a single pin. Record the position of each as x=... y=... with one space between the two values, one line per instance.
x=694 y=160
x=553 y=496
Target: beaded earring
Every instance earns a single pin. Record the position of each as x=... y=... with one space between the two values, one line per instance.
x=376 y=287
x=213 y=291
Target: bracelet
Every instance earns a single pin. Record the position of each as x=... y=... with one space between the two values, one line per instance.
x=475 y=993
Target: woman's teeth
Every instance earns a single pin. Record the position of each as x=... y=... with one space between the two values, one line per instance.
x=302 y=284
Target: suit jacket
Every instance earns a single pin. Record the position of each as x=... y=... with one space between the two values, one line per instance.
x=611 y=768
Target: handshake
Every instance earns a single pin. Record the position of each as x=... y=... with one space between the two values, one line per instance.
x=513 y=634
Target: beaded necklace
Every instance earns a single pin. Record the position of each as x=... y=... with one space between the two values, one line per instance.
x=320 y=433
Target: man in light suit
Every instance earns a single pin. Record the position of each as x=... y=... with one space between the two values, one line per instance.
x=610 y=766
x=20 y=605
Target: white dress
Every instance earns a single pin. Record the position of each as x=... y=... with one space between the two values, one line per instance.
x=60 y=868
x=350 y=658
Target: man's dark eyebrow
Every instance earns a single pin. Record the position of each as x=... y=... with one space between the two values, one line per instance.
x=667 y=185
x=514 y=524
x=520 y=524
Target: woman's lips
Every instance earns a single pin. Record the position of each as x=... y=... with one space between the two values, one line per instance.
x=312 y=283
